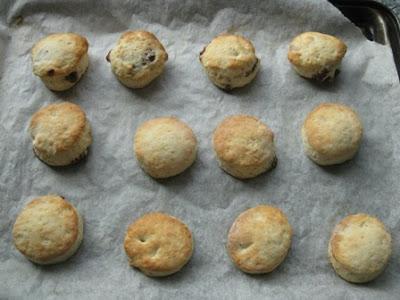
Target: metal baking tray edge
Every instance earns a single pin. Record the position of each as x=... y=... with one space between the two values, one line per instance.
x=377 y=22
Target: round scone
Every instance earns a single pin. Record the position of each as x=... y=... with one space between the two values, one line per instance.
x=316 y=55
x=230 y=61
x=259 y=239
x=137 y=59
x=60 y=60
x=158 y=244
x=48 y=230
x=165 y=147
x=244 y=146
x=359 y=248
x=331 y=134
x=61 y=134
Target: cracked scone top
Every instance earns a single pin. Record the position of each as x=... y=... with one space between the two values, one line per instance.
x=165 y=147
x=48 y=230
x=230 y=61
x=158 y=244
x=244 y=146
x=259 y=239
x=316 y=55
x=61 y=134
x=359 y=248
x=331 y=134
x=60 y=60
x=137 y=59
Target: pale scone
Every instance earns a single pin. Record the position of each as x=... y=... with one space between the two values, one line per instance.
x=137 y=59
x=48 y=230
x=359 y=248
x=331 y=134
x=259 y=239
x=244 y=146
x=316 y=55
x=230 y=61
x=61 y=134
x=60 y=60
x=165 y=147
x=158 y=244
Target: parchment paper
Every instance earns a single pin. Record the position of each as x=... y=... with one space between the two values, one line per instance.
x=110 y=190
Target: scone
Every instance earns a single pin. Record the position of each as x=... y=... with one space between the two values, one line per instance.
x=48 y=230
x=359 y=248
x=158 y=244
x=61 y=134
x=137 y=59
x=259 y=239
x=230 y=61
x=165 y=147
x=331 y=134
x=60 y=60
x=316 y=55
x=244 y=146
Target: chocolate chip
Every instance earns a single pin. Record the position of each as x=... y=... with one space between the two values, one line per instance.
x=72 y=77
x=202 y=51
x=50 y=72
x=322 y=76
x=252 y=69
x=227 y=87
x=274 y=163
x=148 y=57
x=108 y=56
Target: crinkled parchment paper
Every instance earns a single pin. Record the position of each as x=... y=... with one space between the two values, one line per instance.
x=110 y=190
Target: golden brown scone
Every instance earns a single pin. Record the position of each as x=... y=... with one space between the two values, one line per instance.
x=60 y=60
x=61 y=134
x=331 y=134
x=48 y=230
x=158 y=244
x=244 y=146
x=259 y=239
x=359 y=248
x=165 y=147
x=316 y=55
x=230 y=61
x=137 y=59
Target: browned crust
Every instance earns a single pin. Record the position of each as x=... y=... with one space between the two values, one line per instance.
x=130 y=36
x=35 y=249
x=241 y=244
x=158 y=244
x=336 y=250
x=42 y=117
x=244 y=127
x=57 y=67
x=233 y=62
x=322 y=142
x=295 y=52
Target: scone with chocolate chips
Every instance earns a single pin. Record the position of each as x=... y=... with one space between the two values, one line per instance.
x=316 y=55
x=158 y=244
x=137 y=59
x=61 y=134
x=230 y=61
x=48 y=230
x=60 y=60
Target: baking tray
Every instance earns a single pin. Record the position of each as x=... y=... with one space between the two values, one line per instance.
x=377 y=22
